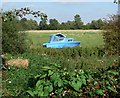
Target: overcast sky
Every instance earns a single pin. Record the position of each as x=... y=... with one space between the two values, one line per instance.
x=64 y=11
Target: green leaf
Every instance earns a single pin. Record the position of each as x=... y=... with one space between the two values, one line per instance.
x=99 y=92
x=60 y=90
x=76 y=85
x=45 y=68
x=40 y=93
x=43 y=76
x=55 y=83
x=60 y=83
x=110 y=88
x=50 y=73
x=39 y=88
x=30 y=92
x=39 y=82
x=113 y=72
x=48 y=88
x=37 y=76
x=47 y=82
x=55 y=77
x=83 y=79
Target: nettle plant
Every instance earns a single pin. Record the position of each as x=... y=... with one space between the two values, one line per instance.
x=55 y=81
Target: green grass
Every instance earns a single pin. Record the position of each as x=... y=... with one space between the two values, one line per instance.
x=87 y=39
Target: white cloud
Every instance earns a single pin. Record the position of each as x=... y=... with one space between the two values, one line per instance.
x=57 y=0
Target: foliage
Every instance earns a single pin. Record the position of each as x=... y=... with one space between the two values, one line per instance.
x=9 y=15
x=111 y=34
x=82 y=58
x=43 y=23
x=28 y=24
x=58 y=82
x=16 y=81
x=14 y=39
x=69 y=25
x=95 y=24
x=77 y=22
x=53 y=24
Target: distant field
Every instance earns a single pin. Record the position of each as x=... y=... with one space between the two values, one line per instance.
x=88 y=38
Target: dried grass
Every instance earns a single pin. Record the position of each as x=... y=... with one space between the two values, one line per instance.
x=20 y=63
x=61 y=31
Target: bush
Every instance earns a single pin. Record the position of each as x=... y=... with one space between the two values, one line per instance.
x=111 y=34
x=13 y=41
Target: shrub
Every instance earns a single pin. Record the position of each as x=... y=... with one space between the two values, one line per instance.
x=111 y=34
x=13 y=41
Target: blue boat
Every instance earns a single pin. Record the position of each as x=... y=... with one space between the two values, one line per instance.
x=60 y=41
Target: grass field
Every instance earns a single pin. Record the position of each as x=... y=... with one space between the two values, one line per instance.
x=88 y=38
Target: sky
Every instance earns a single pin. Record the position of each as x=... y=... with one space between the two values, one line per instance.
x=57 y=0
x=64 y=11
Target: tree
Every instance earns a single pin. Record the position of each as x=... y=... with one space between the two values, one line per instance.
x=43 y=23
x=111 y=34
x=23 y=23
x=78 y=23
x=13 y=38
x=13 y=41
x=100 y=23
x=70 y=25
x=62 y=26
x=53 y=24
x=95 y=24
x=28 y=24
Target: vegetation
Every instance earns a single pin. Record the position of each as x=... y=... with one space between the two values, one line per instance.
x=58 y=82
x=111 y=34
x=28 y=24
x=53 y=24
x=13 y=41
x=87 y=71
x=19 y=81
x=43 y=23
x=69 y=25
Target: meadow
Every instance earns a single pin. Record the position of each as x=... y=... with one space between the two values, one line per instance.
x=88 y=38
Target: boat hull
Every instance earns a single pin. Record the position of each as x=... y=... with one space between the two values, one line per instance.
x=61 y=45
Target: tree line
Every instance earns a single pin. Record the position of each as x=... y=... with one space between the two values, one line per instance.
x=53 y=24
